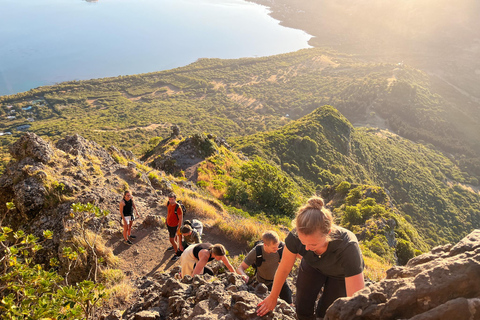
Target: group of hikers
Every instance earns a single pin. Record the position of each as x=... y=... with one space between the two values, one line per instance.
x=330 y=256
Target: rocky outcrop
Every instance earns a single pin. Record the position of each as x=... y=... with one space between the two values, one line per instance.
x=225 y=296
x=31 y=146
x=441 y=284
x=44 y=180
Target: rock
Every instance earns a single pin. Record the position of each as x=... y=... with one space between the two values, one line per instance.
x=431 y=286
x=175 y=130
x=75 y=145
x=131 y=165
x=31 y=145
x=114 y=315
x=147 y=315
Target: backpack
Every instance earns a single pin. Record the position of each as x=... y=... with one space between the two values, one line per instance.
x=259 y=253
x=179 y=204
x=195 y=224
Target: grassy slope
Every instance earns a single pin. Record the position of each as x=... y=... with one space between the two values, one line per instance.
x=244 y=96
x=425 y=185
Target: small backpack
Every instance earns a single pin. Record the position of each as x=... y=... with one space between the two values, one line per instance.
x=259 y=253
x=195 y=224
x=179 y=204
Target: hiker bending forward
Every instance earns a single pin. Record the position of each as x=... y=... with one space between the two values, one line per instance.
x=195 y=258
x=331 y=258
x=269 y=257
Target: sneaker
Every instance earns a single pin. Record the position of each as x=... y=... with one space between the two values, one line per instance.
x=170 y=248
x=132 y=236
x=128 y=242
x=175 y=258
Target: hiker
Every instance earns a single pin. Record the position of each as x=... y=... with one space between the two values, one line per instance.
x=126 y=211
x=195 y=258
x=190 y=236
x=174 y=221
x=265 y=257
x=196 y=225
x=331 y=258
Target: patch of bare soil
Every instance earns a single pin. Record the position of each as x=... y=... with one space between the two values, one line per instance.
x=149 y=254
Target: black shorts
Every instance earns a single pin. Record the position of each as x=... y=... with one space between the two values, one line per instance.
x=172 y=231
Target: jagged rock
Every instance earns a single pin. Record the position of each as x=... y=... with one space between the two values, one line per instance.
x=131 y=165
x=75 y=145
x=431 y=286
x=203 y=297
x=114 y=315
x=29 y=196
x=175 y=130
x=147 y=315
x=31 y=145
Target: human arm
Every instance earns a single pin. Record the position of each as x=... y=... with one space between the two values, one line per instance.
x=241 y=271
x=180 y=222
x=122 y=205
x=354 y=284
x=203 y=256
x=284 y=268
x=135 y=208
x=227 y=264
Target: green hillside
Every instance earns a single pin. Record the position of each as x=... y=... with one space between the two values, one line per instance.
x=245 y=96
x=426 y=187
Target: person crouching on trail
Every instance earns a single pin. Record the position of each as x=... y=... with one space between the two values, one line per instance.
x=190 y=236
x=174 y=221
x=126 y=211
x=195 y=258
x=270 y=258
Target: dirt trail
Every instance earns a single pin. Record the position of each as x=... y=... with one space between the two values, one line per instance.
x=149 y=254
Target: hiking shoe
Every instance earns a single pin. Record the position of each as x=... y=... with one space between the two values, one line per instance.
x=132 y=236
x=128 y=242
x=175 y=258
x=170 y=248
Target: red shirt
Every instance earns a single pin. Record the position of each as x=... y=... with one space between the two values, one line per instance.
x=172 y=219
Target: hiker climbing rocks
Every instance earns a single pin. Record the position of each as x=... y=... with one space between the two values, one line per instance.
x=265 y=257
x=331 y=259
x=190 y=236
x=126 y=211
x=174 y=221
x=195 y=258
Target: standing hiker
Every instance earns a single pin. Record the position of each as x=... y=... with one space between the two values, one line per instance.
x=174 y=221
x=126 y=211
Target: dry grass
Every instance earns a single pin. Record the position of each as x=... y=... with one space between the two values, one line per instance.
x=119 y=294
x=101 y=249
x=375 y=270
x=210 y=211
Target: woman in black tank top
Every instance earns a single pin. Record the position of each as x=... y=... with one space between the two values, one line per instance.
x=195 y=258
x=126 y=211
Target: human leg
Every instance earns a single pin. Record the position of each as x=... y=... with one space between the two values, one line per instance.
x=286 y=293
x=125 y=227
x=172 y=235
x=309 y=283
x=334 y=289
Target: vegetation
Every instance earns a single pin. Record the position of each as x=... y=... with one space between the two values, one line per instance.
x=427 y=188
x=30 y=291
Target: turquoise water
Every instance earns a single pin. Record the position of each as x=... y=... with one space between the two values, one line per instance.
x=43 y=42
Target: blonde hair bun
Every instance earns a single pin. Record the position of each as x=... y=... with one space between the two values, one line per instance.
x=316 y=203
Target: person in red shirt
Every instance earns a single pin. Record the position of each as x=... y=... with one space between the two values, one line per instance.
x=174 y=221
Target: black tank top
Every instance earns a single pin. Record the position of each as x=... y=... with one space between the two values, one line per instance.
x=127 y=208
x=202 y=246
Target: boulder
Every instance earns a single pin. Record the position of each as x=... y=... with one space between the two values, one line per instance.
x=441 y=284
x=31 y=145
